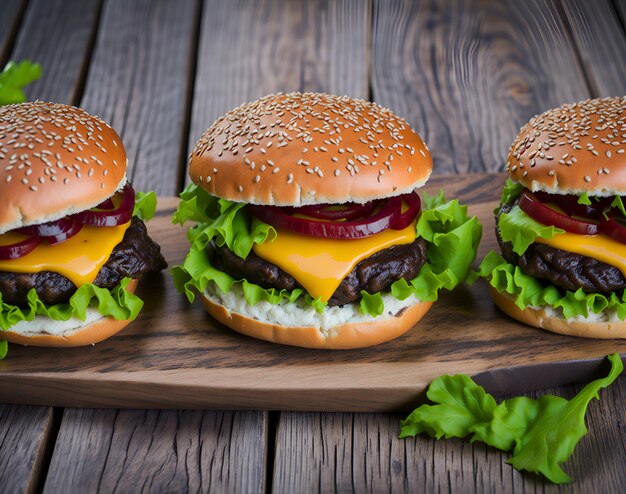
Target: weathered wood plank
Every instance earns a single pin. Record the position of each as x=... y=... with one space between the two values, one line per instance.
x=621 y=9
x=139 y=80
x=9 y=24
x=468 y=74
x=156 y=451
x=601 y=43
x=361 y=453
x=249 y=49
x=23 y=438
x=58 y=35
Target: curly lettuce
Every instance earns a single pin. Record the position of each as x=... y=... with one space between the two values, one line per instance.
x=528 y=291
x=541 y=433
x=145 y=205
x=117 y=303
x=521 y=230
x=453 y=239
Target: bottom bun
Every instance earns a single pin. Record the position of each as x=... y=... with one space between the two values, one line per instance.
x=548 y=318
x=43 y=331
x=341 y=330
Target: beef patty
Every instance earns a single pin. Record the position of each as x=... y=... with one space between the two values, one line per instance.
x=374 y=274
x=562 y=268
x=135 y=255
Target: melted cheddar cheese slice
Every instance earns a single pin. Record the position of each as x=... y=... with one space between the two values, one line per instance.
x=78 y=258
x=600 y=247
x=320 y=264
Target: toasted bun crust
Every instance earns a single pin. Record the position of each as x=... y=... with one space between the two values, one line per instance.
x=311 y=148
x=55 y=160
x=573 y=149
x=539 y=318
x=87 y=335
x=341 y=337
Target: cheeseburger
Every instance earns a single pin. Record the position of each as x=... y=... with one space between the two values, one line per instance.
x=309 y=232
x=72 y=245
x=561 y=224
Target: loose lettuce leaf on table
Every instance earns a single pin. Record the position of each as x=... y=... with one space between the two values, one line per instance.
x=542 y=433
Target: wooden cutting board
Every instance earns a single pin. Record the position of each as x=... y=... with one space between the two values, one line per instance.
x=176 y=356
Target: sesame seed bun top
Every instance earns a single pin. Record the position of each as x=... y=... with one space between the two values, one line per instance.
x=309 y=148
x=55 y=160
x=573 y=149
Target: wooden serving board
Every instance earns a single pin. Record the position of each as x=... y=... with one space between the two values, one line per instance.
x=176 y=356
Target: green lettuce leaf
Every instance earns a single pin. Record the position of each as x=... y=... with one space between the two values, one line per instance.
x=529 y=291
x=619 y=204
x=222 y=221
x=372 y=304
x=453 y=239
x=584 y=199
x=145 y=205
x=117 y=303
x=521 y=230
x=541 y=433
x=511 y=191
x=13 y=79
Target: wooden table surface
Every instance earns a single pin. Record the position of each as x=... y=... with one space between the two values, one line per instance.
x=466 y=74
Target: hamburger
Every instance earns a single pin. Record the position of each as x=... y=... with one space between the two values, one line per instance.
x=561 y=222
x=308 y=230
x=72 y=241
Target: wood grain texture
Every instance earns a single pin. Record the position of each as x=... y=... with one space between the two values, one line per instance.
x=620 y=5
x=176 y=356
x=58 y=35
x=340 y=452
x=9 y=24
x=467 y=74
x=157 y=451
x=139 y=79
x=601 y=43
x=249 y=49
x=23 y=437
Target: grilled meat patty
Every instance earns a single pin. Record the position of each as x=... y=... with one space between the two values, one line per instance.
x=135 y=255
x=374 y=274
x=562 y=268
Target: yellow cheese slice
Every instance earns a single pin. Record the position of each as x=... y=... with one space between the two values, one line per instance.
x=78 y=258
x=600 y=247
x=320 y=264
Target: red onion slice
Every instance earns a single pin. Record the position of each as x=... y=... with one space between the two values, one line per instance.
x=18 y=249
x=569 y=204
x=110 y=217
x=414 y=204
x=388 y=214
x=62 y=237
x=548 y=216
x=337 y=212
x=50 y=229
